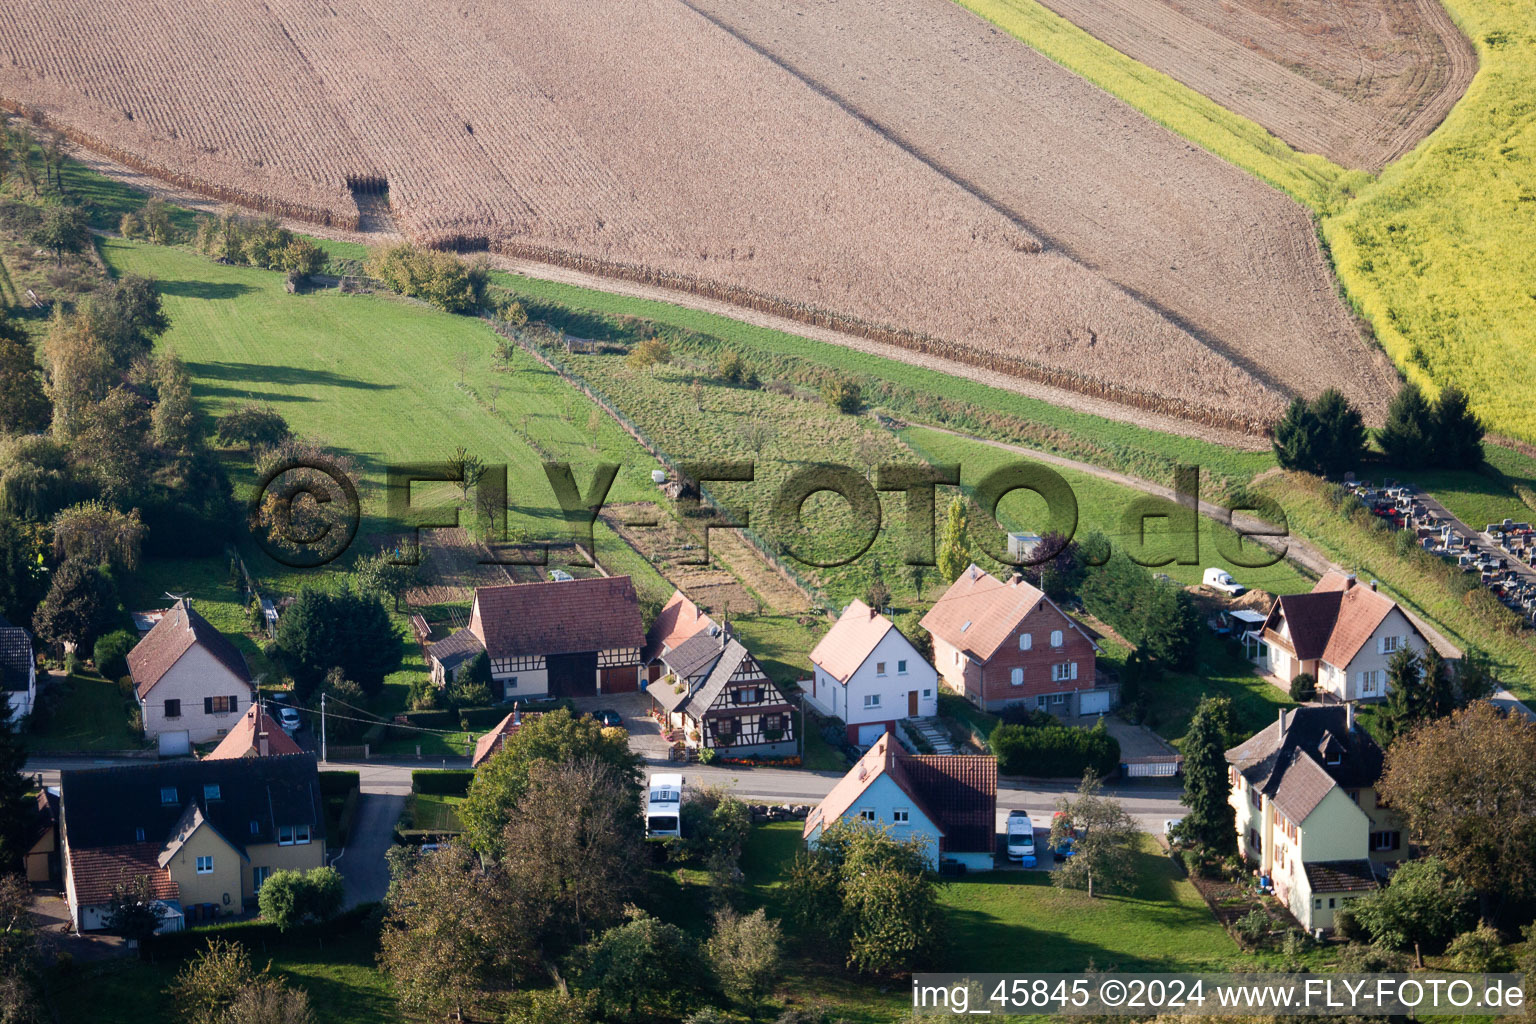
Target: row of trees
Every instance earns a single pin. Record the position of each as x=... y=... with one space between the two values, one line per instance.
x=1328 y=436
x=233 y=238
x=440 y=278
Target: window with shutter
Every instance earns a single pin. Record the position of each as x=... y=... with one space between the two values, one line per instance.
x=1026 y=641
x=1074 y=670
x=1017 y=677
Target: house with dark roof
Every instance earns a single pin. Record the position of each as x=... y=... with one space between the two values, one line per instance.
x=191 y=682
x=949 y=800
x=867 y=674
x=42 y=858
x=1308 y=817
x=256 y=735
x=569 y=638
x=719 y=697
x=18 y=669
x=1344 y=635
x=998 y=643
x=206 y=834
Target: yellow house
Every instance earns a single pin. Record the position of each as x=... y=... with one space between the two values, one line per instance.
x=1307 y=814
x=206 y=834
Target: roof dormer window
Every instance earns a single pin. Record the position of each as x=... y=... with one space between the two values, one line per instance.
x=167 y=795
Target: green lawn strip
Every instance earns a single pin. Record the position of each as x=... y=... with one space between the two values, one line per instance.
x=781 y=645
x=1310 y=179
x=338 y=973
x=1220 y=671
x=1374 y=555
x=434 y=813
x=904 y=389
x=89 y=713
x=1100 y=505
x=1439 y=253
x=377 y=378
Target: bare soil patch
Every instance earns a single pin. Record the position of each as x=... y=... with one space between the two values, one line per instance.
x=725 y=585
x=1359 y=81
x=649 y=142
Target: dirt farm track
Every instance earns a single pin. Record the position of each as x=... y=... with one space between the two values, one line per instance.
x=900 y=172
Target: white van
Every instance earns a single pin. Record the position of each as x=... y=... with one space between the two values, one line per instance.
x=1021 y=838
x=1220 y=579
x=664 y=805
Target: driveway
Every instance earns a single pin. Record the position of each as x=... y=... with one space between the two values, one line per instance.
x=364 y=873
x=644 y=734
x=1136 y=740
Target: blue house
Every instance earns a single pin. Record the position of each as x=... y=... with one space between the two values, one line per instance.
x=950 y=800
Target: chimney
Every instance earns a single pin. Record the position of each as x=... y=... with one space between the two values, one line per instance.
x=1282 y=723
x=1016 y=578
x=517 y=713
x=1349 y=581
x=261 y=743
x=1373 y=586
x=1349 y=707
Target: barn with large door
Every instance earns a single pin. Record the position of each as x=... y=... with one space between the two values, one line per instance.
x=571 y=638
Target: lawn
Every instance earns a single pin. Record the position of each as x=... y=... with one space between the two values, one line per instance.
x=384 y=380
x=338 y=973
x=90 y=714
x=1221 y=671
x=1013 y=921
x=432 y=813
x=1100 y=506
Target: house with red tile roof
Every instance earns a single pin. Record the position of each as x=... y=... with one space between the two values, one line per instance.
x=569 y=638
x=1307 y=814
x=1344 y=635
x=256 y=735
x=491 y=742
x=866 y=673
x=950 y=800
x=716 y=693
x=999 y=643
x=678 y=621
x=191 y=682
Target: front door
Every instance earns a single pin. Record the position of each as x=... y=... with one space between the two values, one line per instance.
x=911 y=703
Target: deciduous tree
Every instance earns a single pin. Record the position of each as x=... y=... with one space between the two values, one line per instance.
x=99 y=534
x=63 y=230
x=24 y=405
x=642 y=970
x=290 y=898
x=1105 y=839
x=1423 y=903
x=746 y=954
x=1465 y=786
x=954 y=553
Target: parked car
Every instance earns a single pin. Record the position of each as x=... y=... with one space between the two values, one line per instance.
x=1068 y=845
x=1168 y=827
x=1021 y=838
x=608 y=716
x=288 y=718
x=1220 y=579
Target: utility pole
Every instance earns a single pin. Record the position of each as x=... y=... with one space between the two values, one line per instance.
x=322 y=728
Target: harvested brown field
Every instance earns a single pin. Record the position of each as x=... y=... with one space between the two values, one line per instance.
x=1359 y=81
x=989 y=208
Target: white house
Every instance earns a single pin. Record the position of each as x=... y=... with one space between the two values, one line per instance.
x=192 y=684
x=1343 y=634
x=870 y=676
x=18 y=669
x=950 y=800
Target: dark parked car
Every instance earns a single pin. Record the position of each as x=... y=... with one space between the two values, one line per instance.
x=608 y=716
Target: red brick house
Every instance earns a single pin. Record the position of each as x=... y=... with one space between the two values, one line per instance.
x=1002 y=643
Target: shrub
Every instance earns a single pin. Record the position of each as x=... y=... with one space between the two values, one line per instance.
x=1344 y=924
x=130 y=227
x=111 y=653
x=1481 y=951
x=707 y=755
x=454 y=782
x=1253 y=925
x=440 y=278
x=843 y=394
x=253 y=426
x=1303 y=687
x=289 y=898
x=651 y=352
x=733 y=369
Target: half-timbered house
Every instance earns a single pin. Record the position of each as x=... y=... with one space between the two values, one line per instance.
x=717 y=695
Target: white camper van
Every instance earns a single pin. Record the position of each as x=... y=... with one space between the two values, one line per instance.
x=1021 y=838
x=664 y=805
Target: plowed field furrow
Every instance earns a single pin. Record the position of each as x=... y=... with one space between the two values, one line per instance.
x=1359 y=81
x=899 y=172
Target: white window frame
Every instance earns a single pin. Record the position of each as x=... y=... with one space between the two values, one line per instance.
x=1391 y=644
x=867 y=814
x=285 y=830
x=1026 y=641
x=901 y=816
x=901 y=666
x=1016 y=676
x=205 y=865
x=1056 y=638
x=1058 y=698
x=301 y=835
x=1042 y=700
x=880 y=668
x=871 y=700
x=1064 y=672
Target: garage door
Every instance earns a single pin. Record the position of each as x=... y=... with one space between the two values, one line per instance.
x=1094 y=702
x=869 y=735
x=175 y=744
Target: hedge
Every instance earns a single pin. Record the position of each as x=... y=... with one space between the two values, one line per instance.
x=185 y=943
x=339 y=783
x=453 y=782
x=1054 y=751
